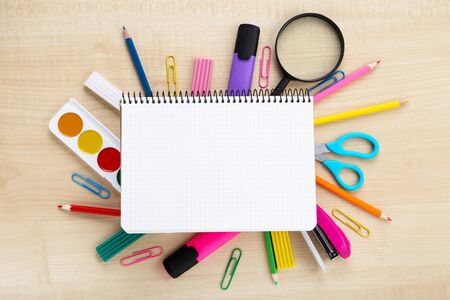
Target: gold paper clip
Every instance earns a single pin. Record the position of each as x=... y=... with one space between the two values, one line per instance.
x=171 y=71
x=234 y=260
x=360 y=229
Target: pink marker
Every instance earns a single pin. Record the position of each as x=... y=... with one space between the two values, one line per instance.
x=341 y=83
x=195 y=250
x=334 y=234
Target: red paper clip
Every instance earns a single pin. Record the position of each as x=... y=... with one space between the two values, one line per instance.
x=264 y=76
x=147 y=251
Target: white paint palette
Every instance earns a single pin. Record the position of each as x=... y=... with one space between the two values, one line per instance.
x=89 y=139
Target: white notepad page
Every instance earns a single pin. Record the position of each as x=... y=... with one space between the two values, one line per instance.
x=217 y=167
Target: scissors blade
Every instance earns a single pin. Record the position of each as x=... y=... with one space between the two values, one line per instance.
x=319 y=151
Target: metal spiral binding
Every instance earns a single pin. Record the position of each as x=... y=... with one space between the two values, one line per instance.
x=254 y=96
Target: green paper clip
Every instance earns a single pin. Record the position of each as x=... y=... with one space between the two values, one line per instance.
x=234 y=260
x=116 y=243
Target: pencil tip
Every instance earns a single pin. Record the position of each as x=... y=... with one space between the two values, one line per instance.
x=59 y=206
x=372 y=65
x=378 y=61
x=275 y=279
x=123 y=27
x=389 y=219
x=404 y=102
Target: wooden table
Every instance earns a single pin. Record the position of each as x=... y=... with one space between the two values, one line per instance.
x=47 y=50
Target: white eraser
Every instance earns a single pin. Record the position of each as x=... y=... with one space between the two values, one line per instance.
x=104 y=89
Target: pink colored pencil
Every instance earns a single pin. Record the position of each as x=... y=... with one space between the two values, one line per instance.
x=341 y=83
x=201 y=81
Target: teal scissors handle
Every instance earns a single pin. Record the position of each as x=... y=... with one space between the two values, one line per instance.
x=336 y=167
x=337 y=146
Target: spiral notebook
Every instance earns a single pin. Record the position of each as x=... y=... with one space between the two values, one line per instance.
x=218 y=163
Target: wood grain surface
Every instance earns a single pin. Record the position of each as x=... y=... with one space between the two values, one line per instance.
x=47 y=50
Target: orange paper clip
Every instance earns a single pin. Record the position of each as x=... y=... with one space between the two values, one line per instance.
x=264 y=72
x=150 y=254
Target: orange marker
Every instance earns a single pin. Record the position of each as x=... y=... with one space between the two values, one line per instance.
x=352 y=199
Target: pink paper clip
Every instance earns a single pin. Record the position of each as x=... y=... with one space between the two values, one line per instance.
x=264 y=76
x=147 y=251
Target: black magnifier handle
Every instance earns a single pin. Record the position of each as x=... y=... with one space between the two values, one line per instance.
x=278 y=90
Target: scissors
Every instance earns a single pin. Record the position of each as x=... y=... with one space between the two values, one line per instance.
x=337 y=147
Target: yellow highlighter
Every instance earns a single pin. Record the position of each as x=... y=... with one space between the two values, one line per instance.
x=359 y=112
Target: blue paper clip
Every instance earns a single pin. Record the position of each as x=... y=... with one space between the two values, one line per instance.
x=91 y=186
x=333 y=79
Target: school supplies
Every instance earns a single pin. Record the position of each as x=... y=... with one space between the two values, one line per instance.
x=348 y=79
x=359 y=228
x=219 y=163
x=195 y=250
x=270 y=257
x=264 y=67
x=136 y=257
x=334 y=233
x=337 y=147
x=325 y=243
x=352 y=199
x=104 y=89
x=91 y=209
x=244 y=56
x=116 y=243
x=359 y=112
x=171 y=74
x=89 y=139
x=137 y=63
x=327 y=82
x=233 y=262
x=91 y=185
x=284 y=258
x=309 y=48
x=201 y=80
x=313 y=250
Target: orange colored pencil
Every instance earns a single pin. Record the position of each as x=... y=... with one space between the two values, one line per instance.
x=352 y=199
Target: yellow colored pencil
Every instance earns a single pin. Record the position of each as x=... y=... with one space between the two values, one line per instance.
x=284 y=257
x=359 y=112
x=288 y=250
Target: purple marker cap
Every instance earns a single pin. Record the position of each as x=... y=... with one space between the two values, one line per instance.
x=243 y=59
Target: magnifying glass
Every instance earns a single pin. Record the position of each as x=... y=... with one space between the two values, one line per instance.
x=309 y=48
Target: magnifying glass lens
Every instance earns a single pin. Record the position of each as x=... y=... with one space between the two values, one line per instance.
x=308 y=48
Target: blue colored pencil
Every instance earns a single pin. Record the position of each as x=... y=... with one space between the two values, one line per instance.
x=137 y=63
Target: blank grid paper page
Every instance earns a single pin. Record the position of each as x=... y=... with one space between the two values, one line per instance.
x=217 y=167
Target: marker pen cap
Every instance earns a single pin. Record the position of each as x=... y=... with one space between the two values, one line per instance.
x=195 y=250
x=243 y=59
x=180 y=261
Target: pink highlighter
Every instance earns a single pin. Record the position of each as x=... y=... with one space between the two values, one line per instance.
x=334 y=234
x=195 y=250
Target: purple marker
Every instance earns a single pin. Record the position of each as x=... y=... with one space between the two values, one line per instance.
x=243 y=59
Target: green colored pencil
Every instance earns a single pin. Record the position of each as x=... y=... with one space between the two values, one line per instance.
x=270 y=256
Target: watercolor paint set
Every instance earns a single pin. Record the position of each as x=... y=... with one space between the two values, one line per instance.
x=89 y=139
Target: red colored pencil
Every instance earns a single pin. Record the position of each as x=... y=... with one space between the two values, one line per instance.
x=91 y=209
